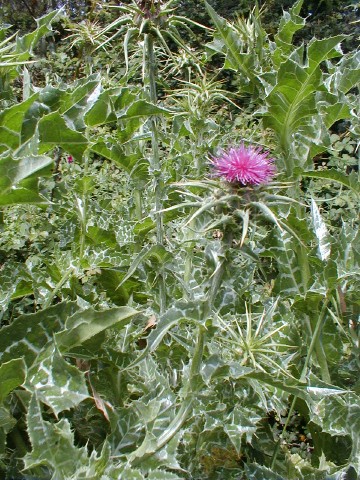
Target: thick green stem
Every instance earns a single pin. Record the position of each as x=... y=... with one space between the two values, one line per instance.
x=321 y=358
x=188 y=264
x=82 y=209
x=58 y=286
x=138 y=212
x=199 y=158
x=196 y=361
x=138 y=204
x=317 y=346
x=303 y=261
x=301 y=251
x=288 y=160
x=178 y=421
x=155 y=162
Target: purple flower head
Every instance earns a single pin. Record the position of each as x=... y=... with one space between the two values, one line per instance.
x=69 y=159
x=244 y=165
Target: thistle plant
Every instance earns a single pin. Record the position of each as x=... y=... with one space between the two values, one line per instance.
x=179 y=295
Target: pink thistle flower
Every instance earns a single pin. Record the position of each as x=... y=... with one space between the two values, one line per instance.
x=244 y=165
x=69 y=159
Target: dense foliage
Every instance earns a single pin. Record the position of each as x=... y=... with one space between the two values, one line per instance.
x=159 y=321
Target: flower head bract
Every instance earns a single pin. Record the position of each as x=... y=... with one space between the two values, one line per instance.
x=244 y=165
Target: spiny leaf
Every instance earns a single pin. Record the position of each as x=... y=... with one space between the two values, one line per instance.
x=284 y=249
x=78 y=99
x=332 y=107
x=132 y=474
x=56 y=382
x=127 y=431
x=112 y=151
x=29 y=41
x=28 y=334
x=260 y=472
x=101 y=112
x=229 y=44
x=241 y=422
x=26 y=192
x=341 y=416
x=346 y=75
x=162 y=475
x=335 y=176
x=52 y=444
x=290 y=23
x=291 y=107
x=17 y=53
x=13 y=278
x=7 y=423
x=82 y=326
x=141 y=108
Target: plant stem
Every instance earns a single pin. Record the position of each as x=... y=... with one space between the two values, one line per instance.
x=198 y=163
x=138 y=204
x=188 y=265
x=82 y=209
x=316 y=345
x=60 y=283
x=155 y=162
x=301 y=251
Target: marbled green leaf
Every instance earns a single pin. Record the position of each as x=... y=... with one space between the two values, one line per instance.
x=241 y=424
x=340 y=416
x=27 y=335
x=52 y=444
x=291 y=108
x=83 y=325
x=142 y=108
x=349 y=181
x=260 y=472
x=26 y=43
x=290 y=23
x=58 y=384
x=346 y=75
x=111 y=150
